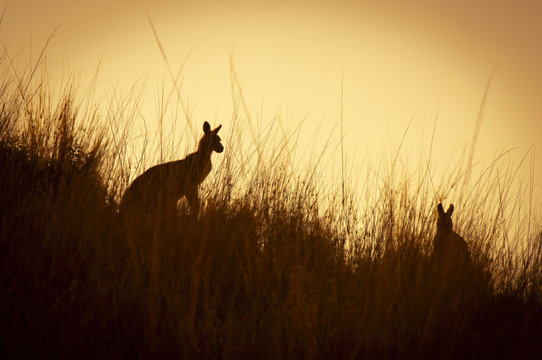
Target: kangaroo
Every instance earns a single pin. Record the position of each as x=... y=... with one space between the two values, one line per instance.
x=158 y=189
x=447 y=244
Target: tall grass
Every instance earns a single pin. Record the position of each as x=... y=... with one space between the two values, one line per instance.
x=268 y=269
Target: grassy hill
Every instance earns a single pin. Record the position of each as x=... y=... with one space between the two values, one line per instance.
x=268 y=270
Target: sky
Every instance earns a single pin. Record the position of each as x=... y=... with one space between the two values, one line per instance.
x=399 y=65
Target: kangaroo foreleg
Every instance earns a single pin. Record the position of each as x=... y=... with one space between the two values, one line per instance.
x=193 y=201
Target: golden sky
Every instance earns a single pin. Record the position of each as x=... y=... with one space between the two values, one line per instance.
x=400 y=60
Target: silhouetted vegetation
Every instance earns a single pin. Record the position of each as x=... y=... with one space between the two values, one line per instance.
x=268 y=269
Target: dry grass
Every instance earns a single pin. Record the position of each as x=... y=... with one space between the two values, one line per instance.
x=275 y=267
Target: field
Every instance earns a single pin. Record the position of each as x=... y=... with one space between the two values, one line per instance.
x=275 y=266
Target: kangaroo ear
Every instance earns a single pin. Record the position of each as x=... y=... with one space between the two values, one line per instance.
x=217 y=128
x=450 y=210
x=206 y=127
x=440 y=209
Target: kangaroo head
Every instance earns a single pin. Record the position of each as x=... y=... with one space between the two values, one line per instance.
x=444 y=220
x=210 y=140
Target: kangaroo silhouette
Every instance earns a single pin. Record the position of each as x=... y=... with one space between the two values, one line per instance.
x=157 y=190
x=448 y=245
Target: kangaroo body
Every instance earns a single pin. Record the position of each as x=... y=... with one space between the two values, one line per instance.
x=158 y=189
x=449 y=246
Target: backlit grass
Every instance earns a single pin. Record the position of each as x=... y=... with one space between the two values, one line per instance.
x=276 y=265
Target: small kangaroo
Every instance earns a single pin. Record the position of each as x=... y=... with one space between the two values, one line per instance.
x=447 y=244
x=160 y=187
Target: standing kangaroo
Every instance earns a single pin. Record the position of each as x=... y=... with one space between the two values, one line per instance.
x=158 y=189
x=449 y=247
